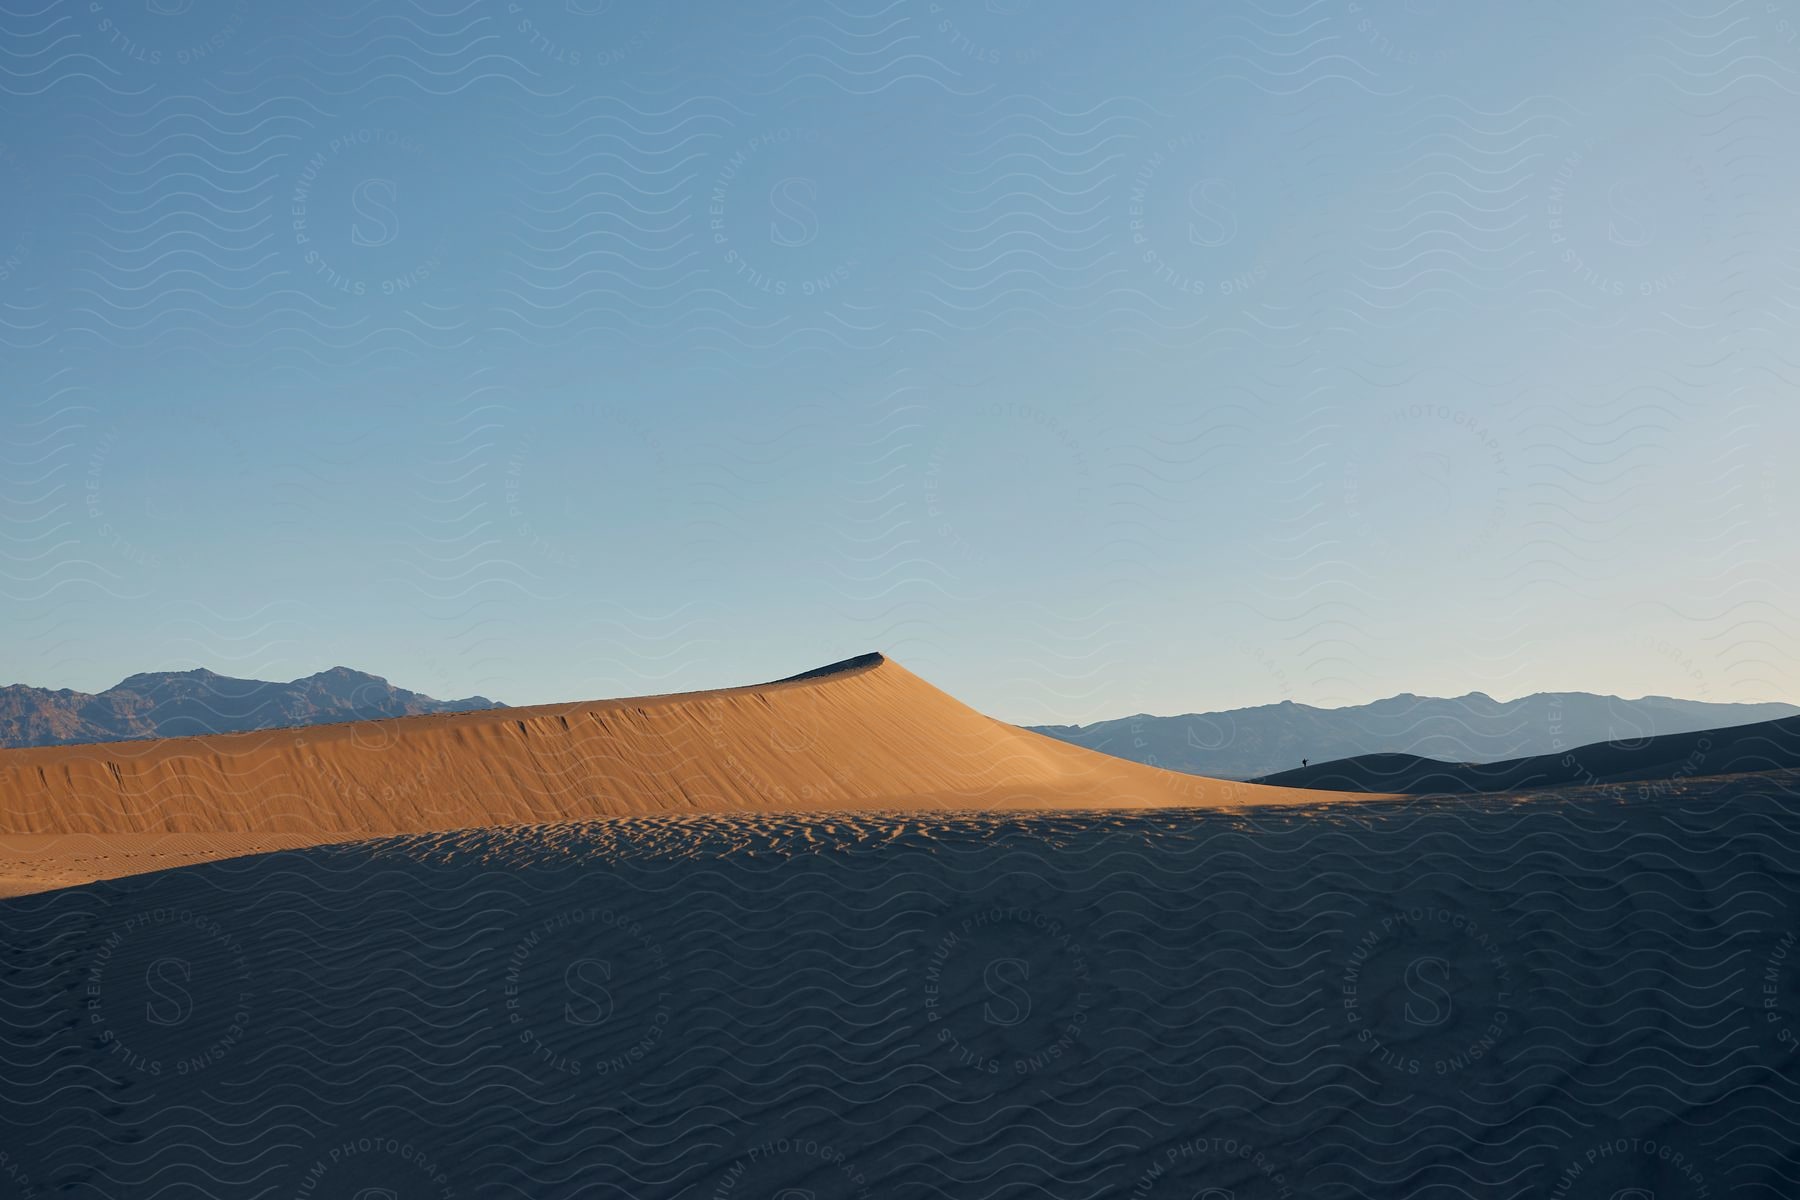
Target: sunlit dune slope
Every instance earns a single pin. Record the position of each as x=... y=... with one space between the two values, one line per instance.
x=862 y=734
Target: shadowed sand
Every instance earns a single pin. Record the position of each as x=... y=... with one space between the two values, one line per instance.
x=861 y=735
x=38 y=862
x=1566 y=996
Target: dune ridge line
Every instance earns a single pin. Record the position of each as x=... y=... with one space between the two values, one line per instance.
x=855 y=735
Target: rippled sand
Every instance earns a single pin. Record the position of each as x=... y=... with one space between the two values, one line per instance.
x=1560 y=995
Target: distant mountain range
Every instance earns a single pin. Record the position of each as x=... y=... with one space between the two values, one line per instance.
x=181 y=703
x=1243 y=743
x=1247 y=743
x=1654 y=765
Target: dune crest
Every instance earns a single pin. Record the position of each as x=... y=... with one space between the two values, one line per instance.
x=854 y=736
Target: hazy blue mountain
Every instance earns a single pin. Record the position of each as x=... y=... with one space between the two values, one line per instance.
x=181 y=703
x=1245 y=743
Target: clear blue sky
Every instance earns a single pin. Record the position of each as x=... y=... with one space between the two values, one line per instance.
x=1087 y=363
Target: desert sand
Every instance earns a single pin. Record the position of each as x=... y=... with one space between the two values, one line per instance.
x=1566 y=996
x=858 y=736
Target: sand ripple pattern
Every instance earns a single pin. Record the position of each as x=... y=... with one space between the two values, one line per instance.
x=1550 y=995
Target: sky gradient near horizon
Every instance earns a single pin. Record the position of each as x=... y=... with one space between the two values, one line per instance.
x=1087 y=363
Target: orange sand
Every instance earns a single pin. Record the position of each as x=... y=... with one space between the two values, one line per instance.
x=866 y=735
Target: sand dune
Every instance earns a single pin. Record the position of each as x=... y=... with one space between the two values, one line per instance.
x=867 y=733
x=1565 y=997
x=770 y=948
x=38 y=862
x=1732 y=750
x=856 y=736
